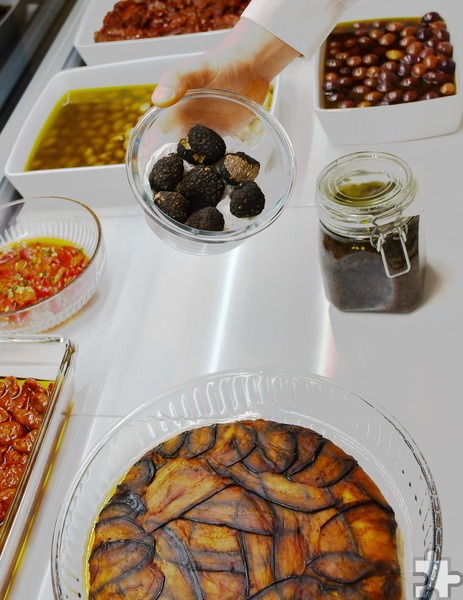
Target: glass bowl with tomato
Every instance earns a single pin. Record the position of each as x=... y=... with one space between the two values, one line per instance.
x=51 y=260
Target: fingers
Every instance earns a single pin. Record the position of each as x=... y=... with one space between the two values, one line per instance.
x=175 y=83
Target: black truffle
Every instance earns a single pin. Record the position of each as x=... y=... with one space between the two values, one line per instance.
x=173 y=204
x=202 y=186
x=202 y=146
x=166 y=173
x=247 y=200
x=208 y=218
x=238 y=167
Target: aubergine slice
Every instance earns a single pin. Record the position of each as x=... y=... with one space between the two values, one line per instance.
x=276 y=449
x=146 y=583
x=237 y=508
x=119 y=529
x=277 y=488
x=113 y=560
x=303 y=587
x=139 y=476
x=258 y=553
x=341 y=567
x=126 y=504
x=329 y=467
x=177 y=487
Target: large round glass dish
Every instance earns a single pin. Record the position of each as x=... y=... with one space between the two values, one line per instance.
x=372 y=436
x=59 y=220
x=245 y=127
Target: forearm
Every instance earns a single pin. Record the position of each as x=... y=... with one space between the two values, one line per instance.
x=302 y=24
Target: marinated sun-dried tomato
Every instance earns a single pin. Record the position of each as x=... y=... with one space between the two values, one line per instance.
x=22 y=404
x=32 y=270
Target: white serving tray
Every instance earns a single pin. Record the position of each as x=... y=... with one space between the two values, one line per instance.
x=94 y=186
x=108 y=52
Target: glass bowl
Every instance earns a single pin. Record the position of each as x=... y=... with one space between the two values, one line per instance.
x=245 y=126
x=378 y=442
x=53 y=218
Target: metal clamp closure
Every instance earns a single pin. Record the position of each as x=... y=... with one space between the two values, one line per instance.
x=391 y=241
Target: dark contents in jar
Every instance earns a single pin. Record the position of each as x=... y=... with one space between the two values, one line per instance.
x=355 y=278
x=383 y=62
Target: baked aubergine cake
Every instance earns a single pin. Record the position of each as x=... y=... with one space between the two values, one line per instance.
x=246 y=509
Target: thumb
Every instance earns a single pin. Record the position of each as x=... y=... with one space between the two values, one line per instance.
x=170 y=89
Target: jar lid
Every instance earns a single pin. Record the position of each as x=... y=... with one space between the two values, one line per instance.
x=361 y=190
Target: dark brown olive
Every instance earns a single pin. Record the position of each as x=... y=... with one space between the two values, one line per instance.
x=390 y=66
x=419 y=70
x=395 y=26
x=359 y=73
x=384 y=86
x=361 y=89
x=394 y=96
x=347 y=104
x=345 y=71
x=342 y=56
x=335 y=97
x=387 y=39
x=431 y=61
x=370 y=59
x=442 y=34
x=434 y=77
x=354 y=61
x=331 y=86
x=429 y=96
x=365 y=41
x=332 y=63
x=350 y=42
x=414 y=47
x=375 y=34
x=427 y=51
x=410 y=96
x=411 y=59
x=371 y=82
x=404 y=69
x=410 y=30
x=446 y=65
x=374 y=97
x=388 y=76
x=431 y=16
x=346 y=82
x=445 y=48
x=406 y=41
x=410 y=82
x=424 y=34
x=373 y=71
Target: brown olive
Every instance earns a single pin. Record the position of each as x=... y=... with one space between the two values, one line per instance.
x=364 y=104
x=373 y=71
x=374 y=97
x=332 y=63
x=365 y=41
x=419 y=70
x=331 y=75
x=375 y=34
x=410 y=30
x=431 y=61
x=350 y=42
x=410 y=82
x=442 y=34
x=429 y=96
x=387 y=39
x=448 y=89
x=406 y=41
x=390 y=65
x=346 y=81
x=370 y=59
x=445 y=48
x=394 y=96
x=359 y=73
x=384 y=86
x=361 y=89
x=434 y=77
x=410 y=96
x=354 y=61
x=342 y=56
x=371 y=82
x=388 y=76
x=395 y=26
x=346 y=104
x=414 y=47
x=404 y=69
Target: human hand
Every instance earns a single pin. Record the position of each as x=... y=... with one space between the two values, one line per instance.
x=245 y=63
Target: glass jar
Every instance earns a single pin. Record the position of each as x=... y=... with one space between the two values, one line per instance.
x=370 y=246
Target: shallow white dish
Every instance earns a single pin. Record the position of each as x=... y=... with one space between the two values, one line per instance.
x=94 y=53
x=399 y=122
x=94 y=186
x=372 y=436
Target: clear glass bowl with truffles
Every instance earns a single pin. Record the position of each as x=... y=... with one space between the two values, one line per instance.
x=211 y=171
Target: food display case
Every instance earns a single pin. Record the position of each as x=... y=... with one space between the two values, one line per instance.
x=161 y=317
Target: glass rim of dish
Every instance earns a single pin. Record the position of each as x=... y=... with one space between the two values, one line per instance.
x=96 y=251
x=257 y=223
x=164 y=406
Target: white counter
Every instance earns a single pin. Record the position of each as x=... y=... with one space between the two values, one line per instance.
x=161 y=317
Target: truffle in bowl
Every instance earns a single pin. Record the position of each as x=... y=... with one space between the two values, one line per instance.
x=211 y=171
x=51 y=261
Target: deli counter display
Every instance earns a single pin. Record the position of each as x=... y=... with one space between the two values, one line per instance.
x=229 y=351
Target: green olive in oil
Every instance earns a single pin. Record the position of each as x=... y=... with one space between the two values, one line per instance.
x=89 y=127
